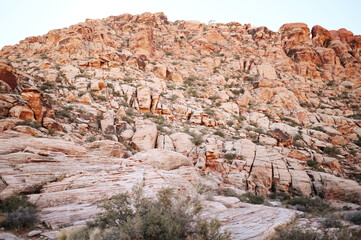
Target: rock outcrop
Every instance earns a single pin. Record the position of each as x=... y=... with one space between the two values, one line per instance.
x=97 y=108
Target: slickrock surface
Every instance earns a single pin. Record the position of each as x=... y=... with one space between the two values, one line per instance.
x=94 y=109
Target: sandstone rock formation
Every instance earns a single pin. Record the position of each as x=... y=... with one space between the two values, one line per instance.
x=92 y=110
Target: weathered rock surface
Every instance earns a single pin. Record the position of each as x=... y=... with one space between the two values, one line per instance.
x=247 y=221
x=145 y=135
x=225 y=105
x=162 y=159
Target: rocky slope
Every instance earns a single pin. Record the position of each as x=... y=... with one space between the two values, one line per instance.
x=92 y=110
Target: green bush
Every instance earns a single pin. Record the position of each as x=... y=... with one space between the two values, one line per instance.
x=247 y=197
x=280 y=196
x=219 y=133
x=136 y=217
x=331 y=151
x=197 y=139
x=294 y=233
x=18 y=212
x=230 y=156
x=33 y=124
x=315 y=206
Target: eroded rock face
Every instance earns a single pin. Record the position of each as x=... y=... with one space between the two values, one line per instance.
x=293 y=34
x=332 y=187
x=8 y=75
x=145 y=135
x=162 y=159
x=142 y=42
x=37 y=103
x=235 y=106
x=320 y=36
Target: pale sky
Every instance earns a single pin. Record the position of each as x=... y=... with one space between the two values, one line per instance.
x=23 y=18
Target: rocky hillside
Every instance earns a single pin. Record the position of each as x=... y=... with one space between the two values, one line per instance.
x=91 y=110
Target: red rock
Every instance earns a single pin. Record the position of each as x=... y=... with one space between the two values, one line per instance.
x=342 y=34
x=339 y=140
x=8 y=75
x=142 y=42
x=292 y=34
x=320 y=36
x=37 y=103
x=22 y=112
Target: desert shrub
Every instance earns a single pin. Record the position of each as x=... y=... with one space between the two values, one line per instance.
x=331 y=222
x=173 y=98
x=259 y=131
x=46 y=86
x=149 y=115
x=209 y=112
x=197 y=139
x=33 y=124
x=127 y=119
x=136 y=217
x=315 y=206
x=91 y=138
x=130 y=112
x=294 y=233
x=14 y=202
x=252 y=198
x=219 y=133
x=331 y=151
x=19 y=213
x=280 y=196
x=230 y=156
x=247 y=197
x=354 y=217
x=312 y=163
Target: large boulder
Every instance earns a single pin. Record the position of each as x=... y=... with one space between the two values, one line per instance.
x=331 y=187
x=142 y=42
x=144 y=99
x=182 y=143
x=22 y=112
x=162 y=159
x=37 y=103
x=293 y=34
x=320 y=36
x=8 y=75
x=107 y=148
x=145 y=135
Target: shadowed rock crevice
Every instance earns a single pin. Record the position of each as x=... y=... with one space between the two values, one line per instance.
x=8 y=75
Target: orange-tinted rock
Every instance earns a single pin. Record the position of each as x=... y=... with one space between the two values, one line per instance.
x=339 y=140
x=282 y=137
x=144 y=99
x=22 y=112
x=263 y=33
x=303 y=54
x=142 y=42
x=320 y=36
x=8 y=75
x=342 y=34
x=36 y=102
x=4 y=108
x=293 y=34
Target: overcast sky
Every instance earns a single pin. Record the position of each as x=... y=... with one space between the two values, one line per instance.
x=23 y=18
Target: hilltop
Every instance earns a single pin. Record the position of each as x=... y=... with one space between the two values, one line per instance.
x=92 y=110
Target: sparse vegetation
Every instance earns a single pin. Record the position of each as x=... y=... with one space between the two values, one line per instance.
x=315 y=206
x=288 y=233
x=18 y=213
x=247 y=197
x=33 y=124
x=136 y=217
x=331 y=151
